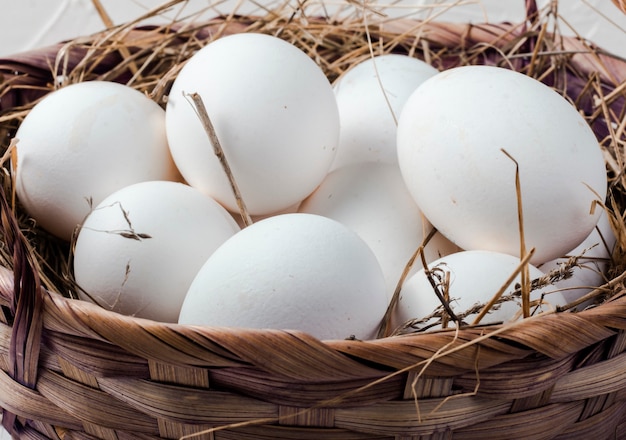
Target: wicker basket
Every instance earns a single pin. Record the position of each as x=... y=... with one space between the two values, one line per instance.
x=70 y=370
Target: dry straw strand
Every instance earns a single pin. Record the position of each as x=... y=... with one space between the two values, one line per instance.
x=202 y=113
x=524 y=272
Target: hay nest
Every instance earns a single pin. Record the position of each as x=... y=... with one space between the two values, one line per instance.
x=72 y=370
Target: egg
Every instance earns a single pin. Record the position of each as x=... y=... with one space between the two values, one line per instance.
x=370 y=97
x=595 y=253
x=453 y=134
x=372 y=200
x=140 y=248
x=291 y=271
x=275 y=116
x=82 y=142
x=474 y=278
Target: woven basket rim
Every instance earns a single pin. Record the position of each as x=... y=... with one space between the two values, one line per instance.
x=89 y=321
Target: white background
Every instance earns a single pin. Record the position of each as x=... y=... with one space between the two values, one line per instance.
x=32 y=23
x=28 y=24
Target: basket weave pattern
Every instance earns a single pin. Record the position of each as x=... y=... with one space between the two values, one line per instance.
x=70 y=370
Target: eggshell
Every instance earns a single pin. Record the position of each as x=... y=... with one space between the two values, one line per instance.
x=451 y=134
x=275 y=116
x=83 y=142
x=291 y=271
x=595 y=254
x=148 y=276
x=372 y=200
x=370 y=97
x=475 y=277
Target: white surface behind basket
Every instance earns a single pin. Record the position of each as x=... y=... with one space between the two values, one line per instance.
x=38 y=23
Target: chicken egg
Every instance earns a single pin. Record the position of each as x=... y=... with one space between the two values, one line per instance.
x=291 y=271
x=595 y=253
x=372 y=200
x=81 y=143
x=275 y=116
x=370 y=97
x=461 y=137
x=474 y=278
x=140 y=248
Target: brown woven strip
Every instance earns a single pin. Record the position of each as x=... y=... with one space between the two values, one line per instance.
x=186 y=405
x=604 y=425
x=606 y=377
x=517 y=379
x=430 y=416
x=27 y=307
x=462 y=355
x=281 y=390
x=97 y=357
x=553 y=420
x=29 y=404
x=91 y=405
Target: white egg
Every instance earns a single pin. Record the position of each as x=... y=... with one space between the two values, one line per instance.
x=475 y=277
x=275 y=116
x=370 y=97
x=372 y=200
x=291 y=271
x=140 y=248
x=451 y=134
x=595 y=253
x=83 y=142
